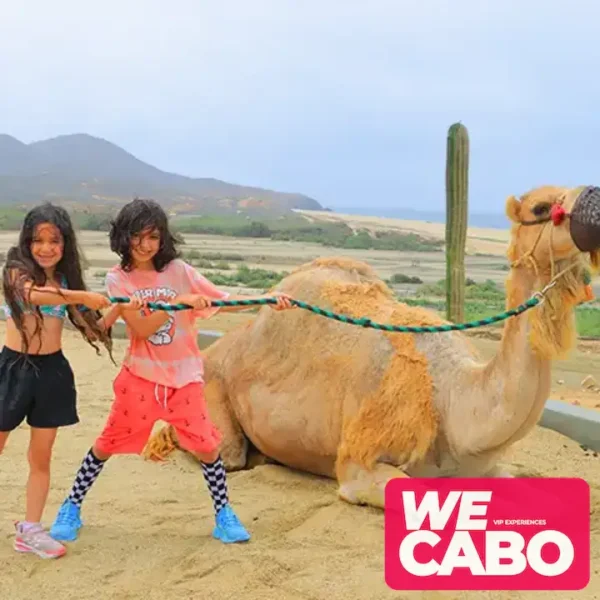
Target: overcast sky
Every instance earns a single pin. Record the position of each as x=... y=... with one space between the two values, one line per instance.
x=346 y=101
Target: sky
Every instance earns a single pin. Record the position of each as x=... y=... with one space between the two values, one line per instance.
x=348 y=102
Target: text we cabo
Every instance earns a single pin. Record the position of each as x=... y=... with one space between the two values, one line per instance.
x=487 y=534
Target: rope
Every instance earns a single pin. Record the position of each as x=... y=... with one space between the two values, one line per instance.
x=363 y=322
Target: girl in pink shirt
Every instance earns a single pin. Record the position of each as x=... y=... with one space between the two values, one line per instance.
x=162 y=374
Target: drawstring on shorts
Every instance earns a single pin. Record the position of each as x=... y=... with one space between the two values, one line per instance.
x=156 y=395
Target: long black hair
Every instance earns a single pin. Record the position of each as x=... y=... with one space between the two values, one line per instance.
x=20 y=268
x=137 y=216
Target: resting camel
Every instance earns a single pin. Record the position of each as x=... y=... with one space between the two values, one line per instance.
x=363 y=406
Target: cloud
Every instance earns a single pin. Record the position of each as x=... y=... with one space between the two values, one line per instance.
x=341 y=100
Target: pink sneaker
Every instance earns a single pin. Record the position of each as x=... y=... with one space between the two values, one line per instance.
x=36 y=540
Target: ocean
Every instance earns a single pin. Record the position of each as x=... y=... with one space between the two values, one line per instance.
x=493 y=221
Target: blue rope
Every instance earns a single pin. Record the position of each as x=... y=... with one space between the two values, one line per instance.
x=363 y=322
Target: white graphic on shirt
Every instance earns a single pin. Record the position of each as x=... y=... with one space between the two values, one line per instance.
x=163 y=336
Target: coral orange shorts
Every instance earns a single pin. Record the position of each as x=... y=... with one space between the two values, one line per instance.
x=140 y=403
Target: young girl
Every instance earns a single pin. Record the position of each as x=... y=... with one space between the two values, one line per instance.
x=42 y=283
x=162 y=374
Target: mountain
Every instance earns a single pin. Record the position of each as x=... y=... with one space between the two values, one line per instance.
x=83 y=171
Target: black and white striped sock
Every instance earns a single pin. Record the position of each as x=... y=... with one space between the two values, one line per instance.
x=214 y=473
x=88 y=472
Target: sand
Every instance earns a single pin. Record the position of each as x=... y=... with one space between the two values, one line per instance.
x=147 y=531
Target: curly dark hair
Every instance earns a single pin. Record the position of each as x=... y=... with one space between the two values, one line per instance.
x=137 y=216
x=20 y=268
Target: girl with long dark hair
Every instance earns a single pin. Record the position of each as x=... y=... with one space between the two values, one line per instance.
x=43 y=283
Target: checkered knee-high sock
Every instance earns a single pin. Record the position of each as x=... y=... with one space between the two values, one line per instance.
x=88 y=472
x=214 y=473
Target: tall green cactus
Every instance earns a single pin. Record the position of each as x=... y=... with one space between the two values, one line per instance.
x=457 y=192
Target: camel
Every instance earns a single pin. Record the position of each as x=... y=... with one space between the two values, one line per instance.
x=364 y=406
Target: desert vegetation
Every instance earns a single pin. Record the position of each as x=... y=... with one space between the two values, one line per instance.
x=294 y=228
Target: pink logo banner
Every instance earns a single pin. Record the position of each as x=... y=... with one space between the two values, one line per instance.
x=487 y=534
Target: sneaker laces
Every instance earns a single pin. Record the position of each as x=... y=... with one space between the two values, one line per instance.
x=228 y=517
x=67 y=516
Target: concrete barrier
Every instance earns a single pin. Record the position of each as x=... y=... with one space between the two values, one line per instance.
x=578 y=423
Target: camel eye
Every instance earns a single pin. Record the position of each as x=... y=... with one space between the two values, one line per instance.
x=542 y=209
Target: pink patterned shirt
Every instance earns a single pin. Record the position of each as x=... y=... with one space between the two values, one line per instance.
x=170 y=356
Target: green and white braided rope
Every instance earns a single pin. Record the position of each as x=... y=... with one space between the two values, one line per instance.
x=363 y=322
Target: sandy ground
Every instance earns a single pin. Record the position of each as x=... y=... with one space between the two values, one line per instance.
x=147 y=525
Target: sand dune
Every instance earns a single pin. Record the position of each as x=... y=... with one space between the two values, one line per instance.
x=147 y=525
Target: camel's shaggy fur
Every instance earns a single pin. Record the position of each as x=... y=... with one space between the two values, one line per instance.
x=364 y=405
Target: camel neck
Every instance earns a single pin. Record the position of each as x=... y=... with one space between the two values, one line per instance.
x=515 y=346
x=524 y=375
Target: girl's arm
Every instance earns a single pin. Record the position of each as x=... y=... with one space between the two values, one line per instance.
x=50 y=295
x=203 y=291
x=144 y=326
x=229 y=309
x=130 y=314
x=109 y=318
x=141 y=326
x=199 y=302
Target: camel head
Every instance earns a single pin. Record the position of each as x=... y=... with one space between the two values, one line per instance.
x=555 y=239
x=555 y=223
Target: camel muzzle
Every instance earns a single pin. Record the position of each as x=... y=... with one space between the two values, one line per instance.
x=585 y=220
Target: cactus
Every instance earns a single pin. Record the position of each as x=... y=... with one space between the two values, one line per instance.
x=457 y=188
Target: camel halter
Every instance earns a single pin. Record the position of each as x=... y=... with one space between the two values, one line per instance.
x=556 y=217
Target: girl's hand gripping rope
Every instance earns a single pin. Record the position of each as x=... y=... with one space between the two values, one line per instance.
x=196 y=301
x=94 y=300
x=284 y=301
x=134 y=303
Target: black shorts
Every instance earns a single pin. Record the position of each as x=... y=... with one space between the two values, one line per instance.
x=41 y=389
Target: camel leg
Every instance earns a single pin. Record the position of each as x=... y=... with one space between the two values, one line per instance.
x=358 y=485
x=234 y=445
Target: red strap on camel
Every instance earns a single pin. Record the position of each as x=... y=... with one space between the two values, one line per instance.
x=557 y=214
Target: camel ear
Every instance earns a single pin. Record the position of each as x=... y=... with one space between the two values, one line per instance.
x=513 y=209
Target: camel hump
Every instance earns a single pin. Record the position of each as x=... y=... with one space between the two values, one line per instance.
x=352 y=287
x=315 y=281
x=342 y=264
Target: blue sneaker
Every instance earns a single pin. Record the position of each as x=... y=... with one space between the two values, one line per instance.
x=67 y=523
x=228 y=528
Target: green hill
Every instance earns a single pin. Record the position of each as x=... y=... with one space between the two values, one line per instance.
x=91 y=174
